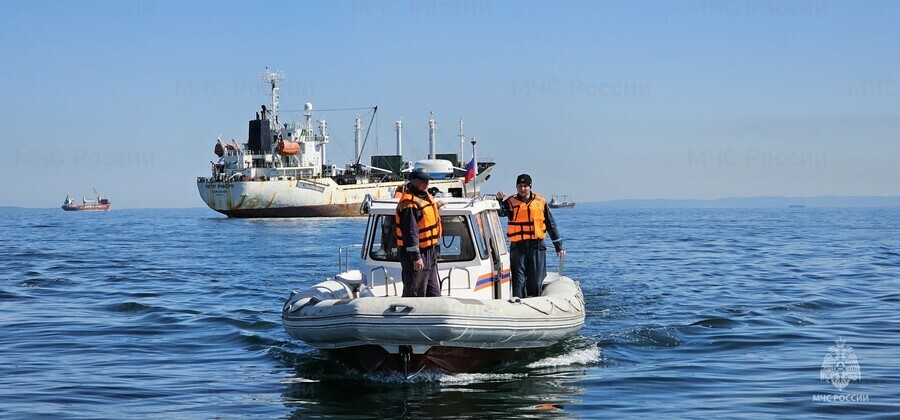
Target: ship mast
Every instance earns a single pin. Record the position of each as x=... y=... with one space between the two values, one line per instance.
x=462 y=144
x=273 y=78
x=323 y=127
x=399 y=127
x=431 y=129
x=357 y=139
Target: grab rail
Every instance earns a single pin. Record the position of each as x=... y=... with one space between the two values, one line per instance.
x=562 y=259
x=402 y=307
x=372 y=280
x=344 y=256
x=450 y=275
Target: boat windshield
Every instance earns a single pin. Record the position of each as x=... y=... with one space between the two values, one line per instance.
x=455 y=244
x=480 y=234
x=456 y=241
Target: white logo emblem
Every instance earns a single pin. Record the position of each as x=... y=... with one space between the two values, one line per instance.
x=840 y=366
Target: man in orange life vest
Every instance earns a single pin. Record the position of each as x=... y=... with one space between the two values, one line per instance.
x=529 y=222
x=418 y=233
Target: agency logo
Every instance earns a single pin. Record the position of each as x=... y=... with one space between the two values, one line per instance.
x=840 y=365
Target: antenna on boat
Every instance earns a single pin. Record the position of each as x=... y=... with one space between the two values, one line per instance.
x=357 y=138
x=399 y=127
x=431 y=129
x=475 y=192
x=462 y=143
x=307 y=112
x=474 y=154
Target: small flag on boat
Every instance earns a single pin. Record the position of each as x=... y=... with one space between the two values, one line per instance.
x=471 y=170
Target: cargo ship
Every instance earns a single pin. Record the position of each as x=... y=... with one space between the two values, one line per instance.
x=283 y=171
x=98 y=204
x=561 y=202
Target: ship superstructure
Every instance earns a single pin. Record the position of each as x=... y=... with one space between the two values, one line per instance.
x=283 y=169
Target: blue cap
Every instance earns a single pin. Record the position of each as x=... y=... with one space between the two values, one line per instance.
x=420 y=173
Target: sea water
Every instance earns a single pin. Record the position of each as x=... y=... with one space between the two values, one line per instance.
x=690 y=312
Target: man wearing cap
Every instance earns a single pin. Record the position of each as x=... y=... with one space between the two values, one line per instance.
x=418 y=235
x=529 y=222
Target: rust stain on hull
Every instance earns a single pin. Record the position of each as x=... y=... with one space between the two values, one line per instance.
x=239 y=203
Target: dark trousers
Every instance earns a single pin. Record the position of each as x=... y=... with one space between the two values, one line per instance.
x=528 y=259
x=420 y=283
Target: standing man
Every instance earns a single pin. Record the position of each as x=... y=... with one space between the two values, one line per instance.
x=418 y=232
x=529 y=221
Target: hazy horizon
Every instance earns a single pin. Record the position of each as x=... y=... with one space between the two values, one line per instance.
x=723 y=202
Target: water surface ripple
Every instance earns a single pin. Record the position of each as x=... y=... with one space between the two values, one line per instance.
x=689 y=312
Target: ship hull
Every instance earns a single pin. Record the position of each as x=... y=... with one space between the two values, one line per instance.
x=326 y=210
x=88 y=207
x=320 y=197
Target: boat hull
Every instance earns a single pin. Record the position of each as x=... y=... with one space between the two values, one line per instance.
x=450 y=333
x=374 y=358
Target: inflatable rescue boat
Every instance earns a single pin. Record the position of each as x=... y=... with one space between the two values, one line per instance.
x=361 y=318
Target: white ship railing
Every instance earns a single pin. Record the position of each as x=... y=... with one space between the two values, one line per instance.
x=344 y=256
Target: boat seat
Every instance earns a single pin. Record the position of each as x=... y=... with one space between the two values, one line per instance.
x=353 y=277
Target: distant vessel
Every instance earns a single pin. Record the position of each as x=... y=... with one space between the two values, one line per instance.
x=283 y=171
x=99 y=204
x=560 y=202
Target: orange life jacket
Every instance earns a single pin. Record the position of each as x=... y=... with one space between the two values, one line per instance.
x=527 y=221
x=429 y=224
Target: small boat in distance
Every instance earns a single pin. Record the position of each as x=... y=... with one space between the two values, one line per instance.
x=361 y=317
x=560 y=202
x=99 y=204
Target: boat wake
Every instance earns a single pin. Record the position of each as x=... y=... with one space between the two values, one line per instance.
x=444 y=378
x=576 y=357
x=587 y=356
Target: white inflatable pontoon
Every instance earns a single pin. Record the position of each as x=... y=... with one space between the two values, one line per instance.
x=361 y=317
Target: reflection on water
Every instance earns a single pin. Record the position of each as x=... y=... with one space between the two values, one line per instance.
x=541 y=386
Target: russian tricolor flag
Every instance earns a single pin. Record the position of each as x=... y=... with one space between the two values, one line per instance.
x=471 y=170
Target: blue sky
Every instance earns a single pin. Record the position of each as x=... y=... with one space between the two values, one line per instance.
x=600 y=100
